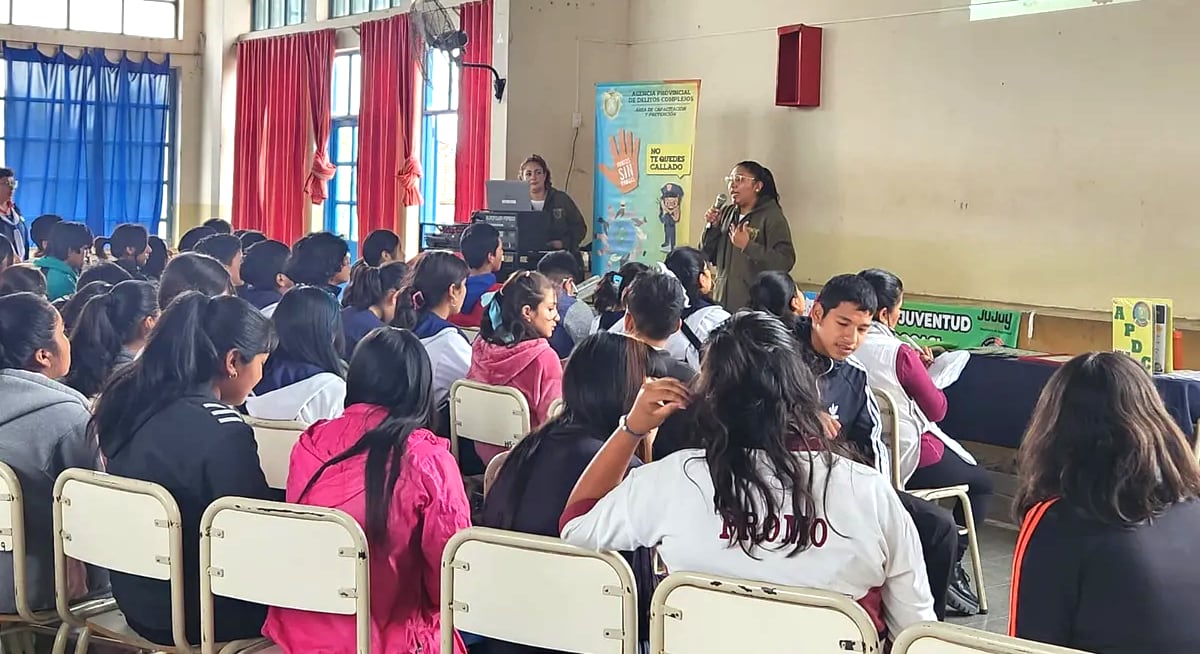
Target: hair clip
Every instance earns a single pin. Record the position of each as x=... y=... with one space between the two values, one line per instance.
x=617 y=279
x=494 y=313
x=418 y=300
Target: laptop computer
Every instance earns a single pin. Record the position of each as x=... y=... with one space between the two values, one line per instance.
x=507 y=195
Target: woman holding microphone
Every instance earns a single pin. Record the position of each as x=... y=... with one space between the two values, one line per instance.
x=747 y=237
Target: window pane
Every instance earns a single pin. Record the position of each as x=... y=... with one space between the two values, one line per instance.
x=295 y=12
x=379 y=4
x=342 y=187
x=96 y=16
x=447 y=139
x=345 y=145
x=278 y=8
x=455 y=72
x=437 y=89
x=149 y=18
x=261 y=14
x=5 y=13
x=341 y=221
x=339 y=8
x=355 y=83
x=341 y=85
x=40 y=13
x=358 y=6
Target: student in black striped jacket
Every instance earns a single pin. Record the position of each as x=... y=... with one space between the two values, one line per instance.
x=1108 y=490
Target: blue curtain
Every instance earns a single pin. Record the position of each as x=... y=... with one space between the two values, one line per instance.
x=87 y=137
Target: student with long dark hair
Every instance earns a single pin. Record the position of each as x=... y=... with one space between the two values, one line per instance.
x=654 y=308
x=609 y=298
x=227 y=249
x=72 y=307
x=837 y=525
x=1108 y=487
x=320 y=259
x=434 y=291
x=304 y=380
x=129 y=244
x=39 y=233
x=110 y=333
x=512 y=349
x=748 y=236
x=380 y=464
x=263 y=271
x=43 y=431
x=23 y=278
x=156 y=261
x=370 y=300
x=168 y=418
x=65 y=256
x=701 y=315
x=776 y=293
x=192 y=271
x=929 y=458
x=531 y=489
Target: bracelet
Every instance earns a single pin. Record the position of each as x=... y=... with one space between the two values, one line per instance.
x=623 y=425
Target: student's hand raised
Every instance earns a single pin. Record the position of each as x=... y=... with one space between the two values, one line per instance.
x=655 y=402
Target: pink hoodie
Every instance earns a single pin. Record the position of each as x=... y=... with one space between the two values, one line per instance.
x=428 y=506
x=531 y=367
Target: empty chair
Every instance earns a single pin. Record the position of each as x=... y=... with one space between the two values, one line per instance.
x=253 y=549
x=275 y=440
x=700 y=613
x=537 y=591
x=940 y=638
x=496 y=415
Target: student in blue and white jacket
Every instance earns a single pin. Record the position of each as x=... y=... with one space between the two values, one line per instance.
x=434 y=291
x=759 y=425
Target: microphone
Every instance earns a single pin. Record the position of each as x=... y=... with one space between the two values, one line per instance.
x=722 y=200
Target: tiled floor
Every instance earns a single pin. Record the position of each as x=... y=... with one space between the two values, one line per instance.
x=996 y=548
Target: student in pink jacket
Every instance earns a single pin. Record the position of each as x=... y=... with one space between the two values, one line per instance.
x=512 y=349
x=408 y=515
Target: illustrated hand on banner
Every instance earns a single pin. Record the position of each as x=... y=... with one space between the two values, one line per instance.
x=625 y=149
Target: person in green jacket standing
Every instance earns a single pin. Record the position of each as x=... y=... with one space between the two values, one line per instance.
x=66 y=253
x=749 y=236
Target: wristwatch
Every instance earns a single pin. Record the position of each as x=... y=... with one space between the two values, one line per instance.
x=623 y=425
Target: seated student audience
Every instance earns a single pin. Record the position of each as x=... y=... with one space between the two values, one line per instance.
x=320 y=259
x=827 y=340
x=110 y=333
x=249 y=237
x=575 y=317
x=434 y=291
x=8 y=255
x=39 y=233
x=71 y=307
x=23 y=278
x=610 y=295
x=530 y=491
x=381 y=246
x=304 y=380
x=156 y=261
x=192 y=271
x=103 y=271
x=512 y=349
x=653 y=313
x=191 y=237
x=218 y=225
x=929 y=458
x=775 y=292
x=262 y=271
x=839 y=528
x=370 y=300
x=66 y=253
x=168 y=418
x=129 y=244
x=398 y=480
x=227 y=249
x=701 y=314
x=43 y=431
x=484 y=254
x=1108 y=486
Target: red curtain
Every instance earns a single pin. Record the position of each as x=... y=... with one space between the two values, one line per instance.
x=389 y=176
x=472 y=158
x=320 y=80
x=271 y=140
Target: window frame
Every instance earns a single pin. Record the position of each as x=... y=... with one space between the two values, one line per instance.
x=339 y=122
x=368 y=7
x=7 y=10
x=428 y=214
x=294 y=12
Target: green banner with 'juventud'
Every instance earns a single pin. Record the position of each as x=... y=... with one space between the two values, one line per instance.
x=955 y=327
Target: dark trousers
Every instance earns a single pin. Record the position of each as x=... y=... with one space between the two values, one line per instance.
x=939 y=545
x=952 y=471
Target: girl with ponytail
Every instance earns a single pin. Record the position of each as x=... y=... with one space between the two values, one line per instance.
x=109 y=333
x=370 y=299
x=701 y=315
x=433 y=291
x=129 y=245
x=513 y=350
x=398 y=480
x=43 y=431
x=609 y=298
x=168 y=418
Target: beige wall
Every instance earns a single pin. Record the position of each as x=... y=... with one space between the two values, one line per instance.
x=558 y=52
x=1045 y=160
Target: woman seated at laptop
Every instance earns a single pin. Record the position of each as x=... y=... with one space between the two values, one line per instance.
x=567 y=226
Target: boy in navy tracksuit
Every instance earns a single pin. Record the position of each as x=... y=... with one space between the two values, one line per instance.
x=840 y=318
x=481 y=249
